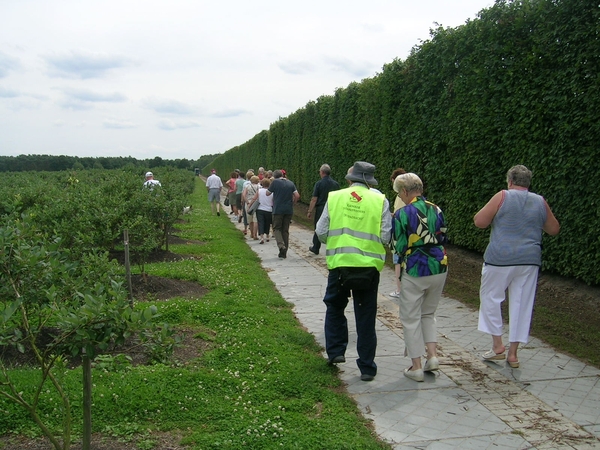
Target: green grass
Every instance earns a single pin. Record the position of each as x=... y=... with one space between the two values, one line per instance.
x=262 y=384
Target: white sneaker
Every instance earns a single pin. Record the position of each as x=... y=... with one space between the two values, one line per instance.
x=431 y=365
x=395 y=294
x=416 y=375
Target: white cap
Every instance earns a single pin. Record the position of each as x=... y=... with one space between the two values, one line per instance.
x=149 y=174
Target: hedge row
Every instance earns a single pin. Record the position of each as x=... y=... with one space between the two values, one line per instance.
x=518 y=85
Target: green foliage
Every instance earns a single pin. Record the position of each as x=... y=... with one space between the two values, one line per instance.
x=113 y=363
x=517 y=85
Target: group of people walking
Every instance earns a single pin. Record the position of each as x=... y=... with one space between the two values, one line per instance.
x=356 y=226
x=262 y=202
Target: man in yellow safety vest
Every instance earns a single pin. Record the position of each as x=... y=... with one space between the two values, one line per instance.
x=356 y=227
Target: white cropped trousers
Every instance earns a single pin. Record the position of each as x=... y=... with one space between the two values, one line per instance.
x=521 y=282
x=419 y=299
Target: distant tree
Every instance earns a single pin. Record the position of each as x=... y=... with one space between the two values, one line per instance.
x=156 y=162
x=204 y=160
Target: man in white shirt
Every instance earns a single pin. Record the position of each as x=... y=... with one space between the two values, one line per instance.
x=150 y=182
x=213 y=186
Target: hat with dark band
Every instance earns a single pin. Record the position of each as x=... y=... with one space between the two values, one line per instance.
x=362 y=172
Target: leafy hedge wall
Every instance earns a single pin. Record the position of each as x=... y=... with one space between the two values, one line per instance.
x=518 y=85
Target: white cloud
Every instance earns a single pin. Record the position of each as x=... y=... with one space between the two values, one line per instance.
x=164 y=106
x=83 y=99
x=84 y=65
x=8 y=93
x=85 y=95
x=297 y=67
x=373 y=27
x=74 y=105
x=7 y=64
x=229 y=113
x=22 y=103
x=118 y=124
x=168 y=124
x=358 y=69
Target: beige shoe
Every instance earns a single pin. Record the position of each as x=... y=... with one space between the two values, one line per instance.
x=431 y=365
x=416 y=375
x=491 y=355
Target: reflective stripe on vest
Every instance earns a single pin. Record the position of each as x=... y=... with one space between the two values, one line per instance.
x=354 y=237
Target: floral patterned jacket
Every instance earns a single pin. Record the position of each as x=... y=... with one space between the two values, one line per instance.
x=419 y=233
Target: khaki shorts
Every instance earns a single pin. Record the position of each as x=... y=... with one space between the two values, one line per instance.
x=231 y=196
x=251 y=217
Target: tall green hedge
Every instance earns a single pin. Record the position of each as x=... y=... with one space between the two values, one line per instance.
x=518 y=85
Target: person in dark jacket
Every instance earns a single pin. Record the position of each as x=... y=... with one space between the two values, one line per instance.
x=320 y=192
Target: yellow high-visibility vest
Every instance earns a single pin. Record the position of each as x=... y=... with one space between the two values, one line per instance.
x=354 y=237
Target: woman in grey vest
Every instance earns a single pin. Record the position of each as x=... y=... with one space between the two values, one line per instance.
x=512 y=260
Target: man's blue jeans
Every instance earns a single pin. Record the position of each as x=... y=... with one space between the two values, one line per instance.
x=365 y=314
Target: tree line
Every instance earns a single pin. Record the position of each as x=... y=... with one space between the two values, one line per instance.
x=55 y=163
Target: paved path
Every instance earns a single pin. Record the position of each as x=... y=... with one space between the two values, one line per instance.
x=552 y=401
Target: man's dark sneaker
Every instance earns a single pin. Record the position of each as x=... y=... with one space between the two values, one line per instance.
x=338 y=359
x=218 y=213
x=367 y=377
x=282 y=253
x=312 y=250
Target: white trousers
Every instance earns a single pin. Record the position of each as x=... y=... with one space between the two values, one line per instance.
x=419 y=299
x=521 y=282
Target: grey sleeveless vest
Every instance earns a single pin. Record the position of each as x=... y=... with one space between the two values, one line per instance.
x=516 y=237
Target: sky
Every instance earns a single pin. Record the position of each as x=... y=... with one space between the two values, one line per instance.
x=186 y=78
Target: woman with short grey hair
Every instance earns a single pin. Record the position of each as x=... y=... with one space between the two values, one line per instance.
x=419 y=231
x=512 y=261
x=519 y=175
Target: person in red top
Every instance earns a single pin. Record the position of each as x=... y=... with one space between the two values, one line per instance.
x=231 y=192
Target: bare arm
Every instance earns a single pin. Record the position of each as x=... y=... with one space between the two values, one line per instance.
x=296 y=196
x=551 y=226
x=484 y=217
x=311 y=207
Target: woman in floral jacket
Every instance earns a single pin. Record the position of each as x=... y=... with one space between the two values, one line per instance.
x=419 y=231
